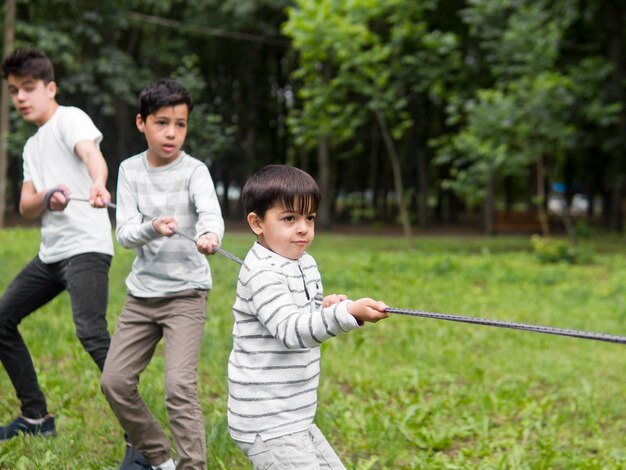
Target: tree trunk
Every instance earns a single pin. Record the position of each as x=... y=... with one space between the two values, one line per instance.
x=323 y=163
x=9 y=17
x=397 y=175
x=541 y=198
x=422 y=160
x=488 y=207
x=613 y=16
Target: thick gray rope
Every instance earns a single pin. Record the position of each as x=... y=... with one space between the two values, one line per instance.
x=217 y=249
x=513 y=325
x=107 y=204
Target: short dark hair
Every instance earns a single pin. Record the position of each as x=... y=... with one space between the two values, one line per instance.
x=160 y=93
x=291 y=187
x=28 y=62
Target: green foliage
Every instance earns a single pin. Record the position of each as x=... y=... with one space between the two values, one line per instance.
x=492 y=85
x=549 y=250
x=533 y=106
x=406 y=393
x=360 y=57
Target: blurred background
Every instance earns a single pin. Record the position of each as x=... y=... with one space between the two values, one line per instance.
x=495 y=116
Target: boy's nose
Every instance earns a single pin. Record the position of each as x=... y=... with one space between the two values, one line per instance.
x=302 y=227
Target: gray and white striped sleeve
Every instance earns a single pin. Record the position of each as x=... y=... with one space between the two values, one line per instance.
x=296 y=327
x=131 y=230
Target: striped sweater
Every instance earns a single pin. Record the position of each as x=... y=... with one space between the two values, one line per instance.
x=182 y=189
x=274 y=365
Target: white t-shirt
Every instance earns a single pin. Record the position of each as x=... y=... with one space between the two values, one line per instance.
x=49 y=159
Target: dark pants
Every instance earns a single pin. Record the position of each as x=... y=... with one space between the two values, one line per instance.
x=86 y=278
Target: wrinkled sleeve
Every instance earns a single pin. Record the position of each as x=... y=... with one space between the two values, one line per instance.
x=294 y=327
x=132 y=231
x=207 y=204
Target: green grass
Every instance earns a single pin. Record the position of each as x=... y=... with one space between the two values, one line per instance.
x=406 y=393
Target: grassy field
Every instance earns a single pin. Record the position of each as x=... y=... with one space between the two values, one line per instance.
x=406 y=393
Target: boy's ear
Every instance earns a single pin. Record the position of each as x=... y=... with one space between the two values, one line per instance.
x=254 y=221
x=51 y=88
x=140 y=123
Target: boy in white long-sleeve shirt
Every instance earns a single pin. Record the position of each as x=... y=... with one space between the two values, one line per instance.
x=281 y=318
x=161 y=192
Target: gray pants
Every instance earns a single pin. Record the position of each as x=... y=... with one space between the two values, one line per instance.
x=305 y=450
x=179 y=319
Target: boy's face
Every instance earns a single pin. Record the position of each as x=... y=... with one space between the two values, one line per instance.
x=32 y=98
x=284 y=232
x=165 y=130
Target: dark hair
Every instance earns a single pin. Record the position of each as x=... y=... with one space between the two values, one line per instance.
x=280 y=184
x=160 y=93
x=27 y=62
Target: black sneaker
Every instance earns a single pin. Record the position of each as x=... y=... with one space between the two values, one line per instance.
x=134 y=460
x=21 y=426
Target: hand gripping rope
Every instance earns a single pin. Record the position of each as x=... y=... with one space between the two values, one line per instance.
x=107 y=204
x=550 y=330
x=225 y=253
x=217 y=249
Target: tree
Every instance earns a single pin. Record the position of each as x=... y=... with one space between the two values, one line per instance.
x=526 y=116
x=9 y=16
x=361 y=61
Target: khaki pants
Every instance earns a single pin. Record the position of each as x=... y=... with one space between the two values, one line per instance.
x=179 y=319
x=305 y=450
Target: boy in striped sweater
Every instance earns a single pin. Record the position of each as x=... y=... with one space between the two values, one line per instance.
x=161 y=192
x=281 y=318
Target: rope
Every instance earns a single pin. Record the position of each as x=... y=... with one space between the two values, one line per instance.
x=485 y=321
x=550 y=330
x=47 y=198
x=110 y=205
x=512 y=325
x=217 y=249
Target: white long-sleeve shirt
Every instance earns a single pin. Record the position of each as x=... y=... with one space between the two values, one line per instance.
x=182 y=189
x=274 y=365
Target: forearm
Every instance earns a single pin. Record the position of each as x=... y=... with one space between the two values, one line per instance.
x=32 y=204
x=98 y=171
x=90 y=154
x=133 y=233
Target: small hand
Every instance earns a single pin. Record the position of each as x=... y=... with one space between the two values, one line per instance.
x=207 y=243
x=99 y=196
x=333 y=299
x=165 y=226
x=368 y=310
x=59 y=198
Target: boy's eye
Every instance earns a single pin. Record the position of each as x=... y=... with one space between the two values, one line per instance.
x=181 y=125
x=311 y=217
x=289 y=218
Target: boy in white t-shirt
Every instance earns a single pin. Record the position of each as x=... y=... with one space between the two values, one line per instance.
x=62 y=159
